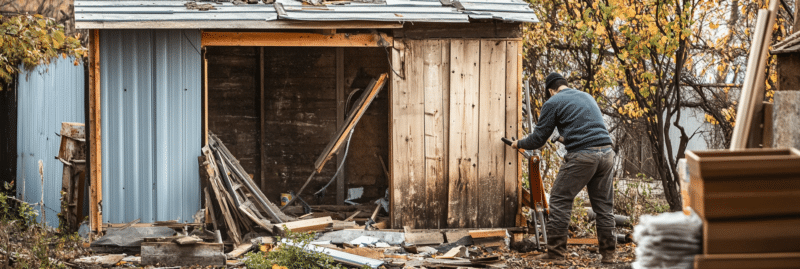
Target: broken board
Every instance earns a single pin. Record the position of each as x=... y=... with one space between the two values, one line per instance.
x=424 y=238
x=172 y=254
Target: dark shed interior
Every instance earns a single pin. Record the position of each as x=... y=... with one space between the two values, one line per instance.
x=299 y=116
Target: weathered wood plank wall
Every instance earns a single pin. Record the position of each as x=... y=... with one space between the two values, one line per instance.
x=452 y=102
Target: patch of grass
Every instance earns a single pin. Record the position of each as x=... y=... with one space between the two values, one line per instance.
x=291 y=256
x=27 y=244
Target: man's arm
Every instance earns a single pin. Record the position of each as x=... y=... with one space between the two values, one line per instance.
x=543 y=130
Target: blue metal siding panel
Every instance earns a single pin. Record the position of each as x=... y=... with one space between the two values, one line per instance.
x=151 y=125
x=47 y=96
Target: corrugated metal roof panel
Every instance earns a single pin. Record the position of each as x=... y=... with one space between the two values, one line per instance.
x=88 y=13
x=47 y=96
x=150 y=124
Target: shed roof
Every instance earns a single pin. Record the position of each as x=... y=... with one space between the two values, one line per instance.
x=137 y=14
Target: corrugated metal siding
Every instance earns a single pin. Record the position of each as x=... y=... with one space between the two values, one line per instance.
x=150 y=90
x=49 y=95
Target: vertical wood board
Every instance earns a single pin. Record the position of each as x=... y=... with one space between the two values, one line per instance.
x=491 y=128
x=96 y=172
x=512 y=121
x=434 y=131
x=463 y=121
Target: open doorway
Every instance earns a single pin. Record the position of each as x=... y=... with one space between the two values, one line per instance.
x=278 y=134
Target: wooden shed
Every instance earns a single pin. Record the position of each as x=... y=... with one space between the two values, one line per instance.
x=272 y=80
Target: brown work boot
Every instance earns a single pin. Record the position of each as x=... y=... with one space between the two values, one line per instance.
x=556 y=247
x=607 y=244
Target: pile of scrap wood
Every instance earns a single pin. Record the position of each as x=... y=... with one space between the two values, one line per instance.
x=232 y=199
x=72 y=153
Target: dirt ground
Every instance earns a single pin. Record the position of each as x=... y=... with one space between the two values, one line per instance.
x=579 y=256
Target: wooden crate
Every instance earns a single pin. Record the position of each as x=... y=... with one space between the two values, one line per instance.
x=751 y=183
x=748 y=261
x=751 y=236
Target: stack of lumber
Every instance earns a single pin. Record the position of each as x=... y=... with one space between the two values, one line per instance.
x=668 y=240
x=749 y=201
x=232 y=199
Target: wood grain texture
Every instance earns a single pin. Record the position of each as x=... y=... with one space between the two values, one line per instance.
x=512 y=116
x=95 y=136
x=396 y=99
x=434 y=132
x=172 y=254
x=340 y=108
x=443 y=183
x=415 y=136
x=463 y=133
x=292 y=39
x=491 y=128
x=520 y=219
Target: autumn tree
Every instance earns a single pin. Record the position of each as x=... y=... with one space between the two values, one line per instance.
x=646 y=62
x=30 y=40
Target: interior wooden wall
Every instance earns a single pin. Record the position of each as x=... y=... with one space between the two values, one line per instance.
x=300 y=116
x=450 y=104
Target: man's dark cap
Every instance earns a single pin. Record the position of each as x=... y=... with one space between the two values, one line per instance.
x=549 y=81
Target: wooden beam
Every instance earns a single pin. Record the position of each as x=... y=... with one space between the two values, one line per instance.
x=208 y=24
x=582 y=241
x=488 y=233
x=334 y=145
x=261 y=118
x=205 y=99
x=95 y=138
x=295 y=39
x=520 y=220
x=340 y=111
x=308 y=225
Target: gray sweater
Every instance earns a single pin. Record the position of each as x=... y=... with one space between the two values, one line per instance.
x=578 y=119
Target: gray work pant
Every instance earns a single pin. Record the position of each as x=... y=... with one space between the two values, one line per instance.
x=591 y=168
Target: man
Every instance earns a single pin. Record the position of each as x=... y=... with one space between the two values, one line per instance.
x=588 y=163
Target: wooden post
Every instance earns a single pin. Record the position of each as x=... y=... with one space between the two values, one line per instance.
x=204 y=139
x=95 y=138
x=261 y=117
x=340 y=111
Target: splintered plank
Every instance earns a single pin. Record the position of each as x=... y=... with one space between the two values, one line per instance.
x=434 y=133
x=491 y=172
x=513 y=89
x=172 y=254
x=463 y=135
x=488 y=233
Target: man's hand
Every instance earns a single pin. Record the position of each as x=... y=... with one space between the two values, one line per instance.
x=514 y=144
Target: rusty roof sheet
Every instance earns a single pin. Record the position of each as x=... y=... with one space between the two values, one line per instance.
x=100 y=14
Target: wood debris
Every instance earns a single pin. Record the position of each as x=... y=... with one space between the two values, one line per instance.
x=241 y=205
